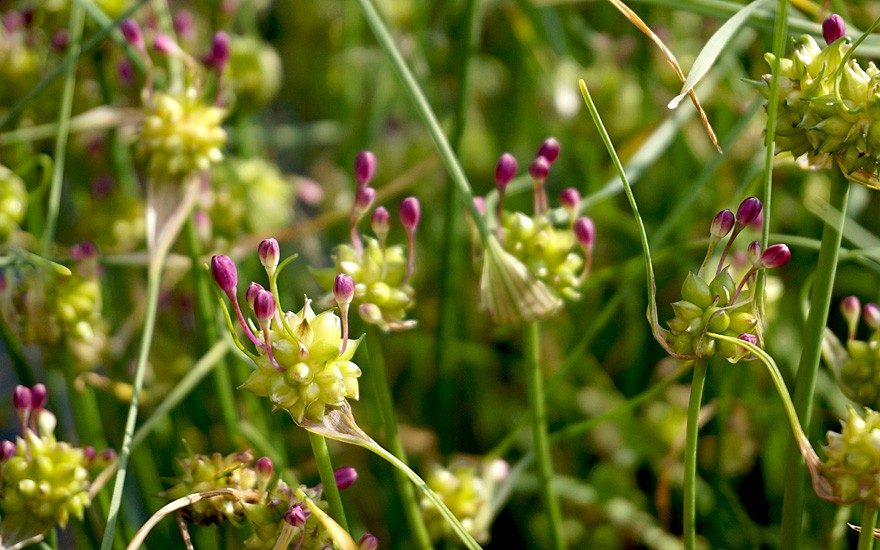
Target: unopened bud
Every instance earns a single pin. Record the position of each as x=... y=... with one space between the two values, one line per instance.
x=748 y=211
x=539 y=169
x=7 y=449
x=38 y=396
x=851 y=309
x=22 y=398
x=776 y=255
x=131 y=31
x=750 y=338
x=164 y=44
x=90 y=453
x=224 y=272
x=585 y=231
x=505 y=170
x=754 y=252
x=722 y=224
x=368 y=542
x=264 y=467
x=251 y=293
x=345 y=477
x=343 y=289
x=364 y=198
x=264 y=306
x=380 y=221
x=108 y=455
x=570 y=199
x=183 y=23
x=295 y=516
x=364 y=168
x=833 y=28
x=60 y=40
x=269 y=253
x=872 y=315
x=549 y=150
x=220 y=50
x=410 y=213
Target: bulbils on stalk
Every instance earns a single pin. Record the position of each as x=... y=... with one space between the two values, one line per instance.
x=849 y=473
x=855 y=365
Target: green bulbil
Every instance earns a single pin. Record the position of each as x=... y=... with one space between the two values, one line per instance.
x=13 y=203
x=853 y=459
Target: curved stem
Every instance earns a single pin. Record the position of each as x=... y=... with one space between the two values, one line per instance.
x=328 y=480
x=869 y=520
x=805 y=382
x=383 y=394
x=690 y=453
x=540 y=438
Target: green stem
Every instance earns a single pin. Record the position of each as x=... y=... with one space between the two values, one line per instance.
x=805 y=382
x=74 y=29
x=540 y=439
x=386 y=41
x=869 y=520
x=328 y=480
x=379 y=376
x=690 y=453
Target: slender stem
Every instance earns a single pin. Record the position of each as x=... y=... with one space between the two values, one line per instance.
x=74 y=30
x=383 y=394
x=690 y=453
x=869 y=520
x=386 y=41
x=805 y=381
x=540 y=438
x=328 y=480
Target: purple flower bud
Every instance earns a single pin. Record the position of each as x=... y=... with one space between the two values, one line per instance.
x=776 y=255
x=251 y=293
x=21 y=398
x=125 y=72
x=13 y=21
x=264 y=467
x=108 y=455
x=539 y=169
x=722 y=224
x=183 y=23
x=410 y=213
x=164 y=44
x=90 y=453
x=38 y=396
x=7 y=449
x=60 y=40
x=585 y=231
x=381 y=222
x=269 y=253
x=345 y=477
x=295 y=516
x=549 y=150
x=833 y=28
x=368 y=542
x=872 y=315
x=748 y=211
x=364 y=198
x=83 y=251
x=220 y=50
x=570 y=199
x=132 y=33
x=750 y=338
x=343 y=289
x=264 y=306
x=754 y=252
x=850 y=307
x=505 y=170
x=224 y=272
x=364 y=168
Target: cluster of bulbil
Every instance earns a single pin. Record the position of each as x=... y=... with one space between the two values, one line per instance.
x=303 y=360
x=712 y=302
x=857 y=365
x=828 y=105
x=13 y=204
x=43 y=481
x=853 y=460
x=381 y=272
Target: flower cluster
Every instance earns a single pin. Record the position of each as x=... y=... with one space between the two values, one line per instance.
x=529 y=252
x=13 y=203
x=43 y=482
x=828 y=105
x=303 y=359
x=381 y=273
x=856 y=365
x=466 y=488
x=853 y=460
x=714 y=302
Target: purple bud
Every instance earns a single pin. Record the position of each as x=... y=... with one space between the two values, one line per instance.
x=748 y=211
x=754 y=252
x=13 y=21
x=264 y=467
x=269 y=253
x=264 y=306
x=539 y=169
x=570 y=199
x=183 y=23
x=549 y=150
x=220 y=50
x=21 y=398
x=343 y=289
x=872 y=315
x=722 y=224
x=295 y=516
x=410 y=213
x=60 y=40
x=38 y=396
x=776 y=255
x=505 y=170
x=364 y=198
x=164 y=44
x=833 y=28
x=345 y=477
x=7 y=449
x=90 y=453
x=585 y=231
x=83 y=251
x=750 y=338
x=108 y=455
x=125 y=72
x=224 y=272
x=251 y=293
x=850 y=307
x=132 y=33
x=368 y=542
x=380 y=222
x=364 y=168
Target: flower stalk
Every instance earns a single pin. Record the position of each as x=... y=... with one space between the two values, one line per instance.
x=690 y=453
